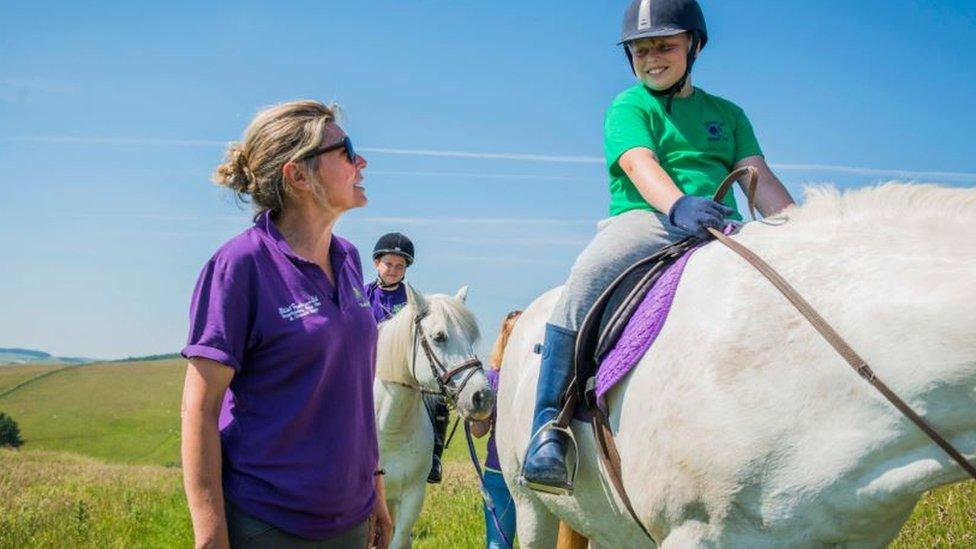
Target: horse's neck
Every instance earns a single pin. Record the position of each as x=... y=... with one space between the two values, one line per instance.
x=397 y=407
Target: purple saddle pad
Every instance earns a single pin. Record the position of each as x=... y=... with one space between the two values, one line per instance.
x=641 y=330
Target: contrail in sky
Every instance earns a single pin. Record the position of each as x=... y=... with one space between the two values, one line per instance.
x=483 y=155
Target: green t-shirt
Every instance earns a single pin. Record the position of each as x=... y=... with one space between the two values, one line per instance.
x=697 y=144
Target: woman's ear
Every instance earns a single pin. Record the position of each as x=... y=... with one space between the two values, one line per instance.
x=295 y=175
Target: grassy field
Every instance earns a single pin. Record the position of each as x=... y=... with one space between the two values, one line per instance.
x=11 y=377
x=128 y=493
x=125 y=412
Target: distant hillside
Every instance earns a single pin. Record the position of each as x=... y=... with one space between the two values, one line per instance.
x=149 y=357
x=118 y=411
x=9 y=356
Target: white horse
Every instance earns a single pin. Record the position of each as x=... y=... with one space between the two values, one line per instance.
x=403 y=372
x=741 y=427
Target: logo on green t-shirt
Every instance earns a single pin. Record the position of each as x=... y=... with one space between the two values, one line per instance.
x=716 y=131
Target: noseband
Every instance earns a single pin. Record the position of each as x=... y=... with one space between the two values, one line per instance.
x=445 y=376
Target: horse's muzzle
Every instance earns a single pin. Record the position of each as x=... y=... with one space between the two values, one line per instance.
x=482 y=404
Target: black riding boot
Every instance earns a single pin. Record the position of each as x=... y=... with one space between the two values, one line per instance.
x=439 y=418
x=545 y=468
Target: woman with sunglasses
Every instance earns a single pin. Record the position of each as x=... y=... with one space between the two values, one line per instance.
x=288 y=458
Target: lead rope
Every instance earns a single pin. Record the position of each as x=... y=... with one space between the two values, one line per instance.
x=485 y=496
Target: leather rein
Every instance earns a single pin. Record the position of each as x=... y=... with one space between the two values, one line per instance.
x=609 y=455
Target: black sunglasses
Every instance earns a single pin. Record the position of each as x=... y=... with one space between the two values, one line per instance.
x=346 y=144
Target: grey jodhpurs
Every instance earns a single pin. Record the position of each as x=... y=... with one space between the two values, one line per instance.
x=620 y=242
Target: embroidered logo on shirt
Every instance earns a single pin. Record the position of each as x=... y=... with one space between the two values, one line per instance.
x=363 y=302
x=716 y=131
x=300 y=309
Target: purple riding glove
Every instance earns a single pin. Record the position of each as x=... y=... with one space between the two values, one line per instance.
x=695 y=214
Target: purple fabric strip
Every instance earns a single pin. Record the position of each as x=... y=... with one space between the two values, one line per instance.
x=641 y=330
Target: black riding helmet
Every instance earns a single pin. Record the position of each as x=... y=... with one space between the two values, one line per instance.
x=394 y=243
x=652 y=18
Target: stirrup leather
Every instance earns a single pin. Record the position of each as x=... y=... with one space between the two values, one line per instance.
x=572 y=457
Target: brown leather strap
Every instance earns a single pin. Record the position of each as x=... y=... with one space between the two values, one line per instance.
x=610 y=458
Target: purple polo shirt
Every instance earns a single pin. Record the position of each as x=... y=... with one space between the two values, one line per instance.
x=386 y=303
x=299 y=434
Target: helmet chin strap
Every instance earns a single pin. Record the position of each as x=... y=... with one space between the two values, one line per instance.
x=675 y=88
x=384 y=286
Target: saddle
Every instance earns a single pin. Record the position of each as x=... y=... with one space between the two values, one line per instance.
x=606 y=320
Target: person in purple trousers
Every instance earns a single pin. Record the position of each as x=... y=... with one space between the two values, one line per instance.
x=500 y=528
x=279 y=316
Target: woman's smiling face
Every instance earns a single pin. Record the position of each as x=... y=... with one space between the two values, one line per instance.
x=339 y=180
x=661 y=61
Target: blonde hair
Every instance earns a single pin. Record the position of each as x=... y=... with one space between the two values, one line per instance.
x=498 y=350
x=277 y=135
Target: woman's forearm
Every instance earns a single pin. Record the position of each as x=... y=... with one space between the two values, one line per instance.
x=203 y=391
x=202 y=479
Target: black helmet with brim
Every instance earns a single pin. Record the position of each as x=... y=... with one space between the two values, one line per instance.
x=394 y=243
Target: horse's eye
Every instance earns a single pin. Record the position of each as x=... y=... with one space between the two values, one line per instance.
x=440 y=337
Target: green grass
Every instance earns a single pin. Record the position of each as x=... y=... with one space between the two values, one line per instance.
x=127 y=416
x=126 y=412
x=943 y=518
x=12 y=376
x=52 y=499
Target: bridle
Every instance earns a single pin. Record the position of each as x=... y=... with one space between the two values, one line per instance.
x=446 y=376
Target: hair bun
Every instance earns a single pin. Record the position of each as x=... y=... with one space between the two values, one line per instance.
x=235 y=173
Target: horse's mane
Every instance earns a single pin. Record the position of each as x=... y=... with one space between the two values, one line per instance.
x=396 y=335
x=885 y=202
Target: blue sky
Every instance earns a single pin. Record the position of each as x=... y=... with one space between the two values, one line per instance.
x=113 y=115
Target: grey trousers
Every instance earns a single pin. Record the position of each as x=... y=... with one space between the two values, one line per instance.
x=620 y=242
x=248 y=532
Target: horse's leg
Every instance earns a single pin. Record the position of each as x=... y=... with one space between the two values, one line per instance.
x=411 y=503
x=537 y=527
x=393 y=505
x=570 y=539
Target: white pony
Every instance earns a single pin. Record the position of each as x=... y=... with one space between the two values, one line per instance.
x=406 y=437
x=741 y=427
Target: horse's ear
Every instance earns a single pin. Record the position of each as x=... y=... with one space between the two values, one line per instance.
x=416 y=299
x=462 y=294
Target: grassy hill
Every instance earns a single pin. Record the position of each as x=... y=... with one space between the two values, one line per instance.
x=126 y=414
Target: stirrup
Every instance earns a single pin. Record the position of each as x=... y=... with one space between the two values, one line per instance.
x=571 y=452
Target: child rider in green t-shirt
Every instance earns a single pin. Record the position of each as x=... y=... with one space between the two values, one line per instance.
x=668 y=145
